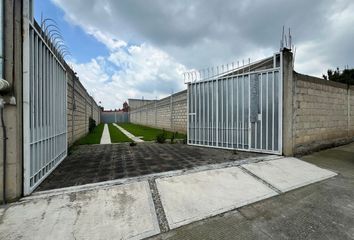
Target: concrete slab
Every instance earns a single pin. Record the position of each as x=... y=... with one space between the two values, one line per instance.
x=128 y=134
x=116 y=212
x=196 y=196
x=106 y=138
x=288 y=173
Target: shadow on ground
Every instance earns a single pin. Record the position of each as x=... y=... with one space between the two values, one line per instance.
x=97 y=163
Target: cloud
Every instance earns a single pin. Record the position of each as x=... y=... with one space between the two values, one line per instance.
x=198 y=33
x=131 y=72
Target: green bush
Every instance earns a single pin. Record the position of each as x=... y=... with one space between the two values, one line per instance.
x=161 y=138
x=92 y=124
x=173 y=137
x=185 y=139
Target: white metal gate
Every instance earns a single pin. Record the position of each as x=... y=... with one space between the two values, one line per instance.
x=238 y=111
x=44 y=107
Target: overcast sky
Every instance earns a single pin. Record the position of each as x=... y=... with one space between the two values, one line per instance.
x=131 y=48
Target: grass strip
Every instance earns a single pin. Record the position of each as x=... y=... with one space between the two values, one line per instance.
x=116 y=135
x=93 y=137
x=148 y=133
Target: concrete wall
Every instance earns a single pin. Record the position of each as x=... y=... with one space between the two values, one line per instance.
x=114 y=116
x=317 y=113
x=138 y=103
x=13 y=109
x=81 y=106
x=169 y=113
x=323 y=113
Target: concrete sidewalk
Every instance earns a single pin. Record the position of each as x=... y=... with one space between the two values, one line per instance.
x=324 y=210
x=106 y=137
x=128 y=134
x=140 y=208
x=114 y=212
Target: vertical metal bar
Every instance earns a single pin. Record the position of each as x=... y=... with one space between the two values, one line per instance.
x=194 y=113
x=256 y=134
x=243 y=111
x=40 y=112
x=261 y=110
x=201 y=95
x=66 y=112
x=199 y=114
x=273 y=80
x=46 y=110
x=32 y=85
x=249 y=112
x=237 y=108
x=217 y=113
x=55 y=110
x=27 y=68
x=232 y=111
x=227 y=111
x=204 y=113
x=222 y=128
x=188 y=112
x=36 y=104
x=267 y=110
x=212 y=112
x=51 y=109
x=208 y=106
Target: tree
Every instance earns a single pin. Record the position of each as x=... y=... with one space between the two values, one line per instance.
x=125 y=107
x=346 y=76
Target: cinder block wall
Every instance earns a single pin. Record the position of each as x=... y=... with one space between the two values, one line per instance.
x=80 y=107
x=323 y=113
x=169 y=113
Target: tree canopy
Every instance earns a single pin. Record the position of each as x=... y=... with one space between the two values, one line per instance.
x=346 y=76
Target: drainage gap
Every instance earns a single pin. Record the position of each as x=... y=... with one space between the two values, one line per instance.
x=160 y=212
x=261 y=180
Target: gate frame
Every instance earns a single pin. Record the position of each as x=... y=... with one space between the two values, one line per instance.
x=28 y=22
x=280 y=117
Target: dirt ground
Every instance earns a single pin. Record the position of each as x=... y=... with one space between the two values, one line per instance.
x=97 y=163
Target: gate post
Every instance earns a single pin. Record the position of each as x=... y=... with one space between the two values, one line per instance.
x=288 y=102
x=26 y=18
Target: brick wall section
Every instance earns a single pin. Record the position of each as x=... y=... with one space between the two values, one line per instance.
x=169 y=113
x=80 y=107
x=323 y=113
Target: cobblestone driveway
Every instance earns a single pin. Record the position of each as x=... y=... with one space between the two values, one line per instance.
x=97 y=163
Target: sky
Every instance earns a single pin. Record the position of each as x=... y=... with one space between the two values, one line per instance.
x=140 y=49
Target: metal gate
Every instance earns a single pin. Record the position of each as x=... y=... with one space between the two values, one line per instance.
x=44 y=106
x=238 y=110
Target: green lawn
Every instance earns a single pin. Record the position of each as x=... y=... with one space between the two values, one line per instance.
x=93 y=137
x=116 y=135
x=148 y=133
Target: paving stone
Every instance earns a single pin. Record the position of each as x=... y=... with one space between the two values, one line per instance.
x=90 y=163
